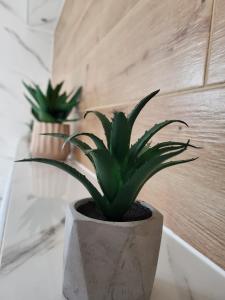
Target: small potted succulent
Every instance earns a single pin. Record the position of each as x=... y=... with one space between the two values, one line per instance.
x=112 y=240
x=50 y=111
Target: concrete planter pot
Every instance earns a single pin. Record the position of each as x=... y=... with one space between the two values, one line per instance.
x=46 y=146
x=110 y=260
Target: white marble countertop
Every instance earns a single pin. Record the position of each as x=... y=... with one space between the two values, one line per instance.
x=32 y=248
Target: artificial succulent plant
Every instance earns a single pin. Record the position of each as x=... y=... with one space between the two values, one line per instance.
x=52 y=106
x=121 y=168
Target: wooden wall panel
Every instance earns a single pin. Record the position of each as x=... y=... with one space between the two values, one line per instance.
x=99 y=18
x=68 y=26
x=216 y=71
x=155 y=44
x=191 y=196
x=121 y=50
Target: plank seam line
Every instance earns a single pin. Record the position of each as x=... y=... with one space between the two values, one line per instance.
x=208 y=51
x=181 y=92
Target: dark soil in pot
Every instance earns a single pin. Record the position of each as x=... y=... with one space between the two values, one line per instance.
x=137 y=212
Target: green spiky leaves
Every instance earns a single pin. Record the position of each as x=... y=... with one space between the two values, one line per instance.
x=122 y=169
x=52 y=106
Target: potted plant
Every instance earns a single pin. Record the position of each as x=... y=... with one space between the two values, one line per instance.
x=112 y=240
x=50 y=111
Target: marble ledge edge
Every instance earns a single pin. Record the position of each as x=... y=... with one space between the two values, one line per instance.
x=4 y=210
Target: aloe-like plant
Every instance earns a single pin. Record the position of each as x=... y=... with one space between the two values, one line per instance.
x=53 y=106
x=122 y=169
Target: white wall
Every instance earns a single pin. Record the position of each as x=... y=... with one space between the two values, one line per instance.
x=26 y=45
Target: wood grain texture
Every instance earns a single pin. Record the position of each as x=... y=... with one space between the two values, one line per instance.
x=66 y=27
x=216 y=68
x=153 y=44
x=121 y=50
x=191 y=196
x=98 y=18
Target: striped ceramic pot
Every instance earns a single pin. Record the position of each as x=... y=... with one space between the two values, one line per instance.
x=46 y=146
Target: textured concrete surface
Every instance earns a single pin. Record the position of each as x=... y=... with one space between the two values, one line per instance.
x=110 y=260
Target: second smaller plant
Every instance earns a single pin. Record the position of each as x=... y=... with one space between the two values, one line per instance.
x=52 y=106
x=51 y=110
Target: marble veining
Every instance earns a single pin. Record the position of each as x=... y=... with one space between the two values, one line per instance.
x=18 y=254
x=185 y=293
x=36 y=5
x=6 y=6
x=32 y=261
x=41 y=205
x=27 y=48
x=6 y=89
x=15 y=10
x=44 y=14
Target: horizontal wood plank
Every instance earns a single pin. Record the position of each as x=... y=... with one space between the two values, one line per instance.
x=216 y=68
x=68 y=26
x=99 y=18
x=155 y=44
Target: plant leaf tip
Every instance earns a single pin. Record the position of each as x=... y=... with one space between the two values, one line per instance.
x=194 y=158
x=21 y=160
x=86 y=113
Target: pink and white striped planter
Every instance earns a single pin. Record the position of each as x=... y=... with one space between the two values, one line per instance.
x=46 y=146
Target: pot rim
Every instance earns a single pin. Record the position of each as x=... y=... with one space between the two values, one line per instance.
x=53 y=123
x=79 y=216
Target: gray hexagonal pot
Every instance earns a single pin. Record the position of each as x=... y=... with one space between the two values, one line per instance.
x=110 y=260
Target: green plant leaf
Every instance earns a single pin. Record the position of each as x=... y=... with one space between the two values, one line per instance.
x=52 y=107
x=49 y=90
x=155 y=153
x=41 y=99
x=162 y=148
x=135 y=112
x=35 y=114
x=172 y=143
x=107 y=171
x=106 y=124
x=62 y=108
x=31 y=91
x=34 y=106
x=40 y=115
x=75 y=142
x=72 y=171
x=74 y=100
x=45 y=117
x=138 y=146
x=58 y=88
x=120 y=136
x=61 y=101
x=62 y=136
x=98 y=142
x=132 y=187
